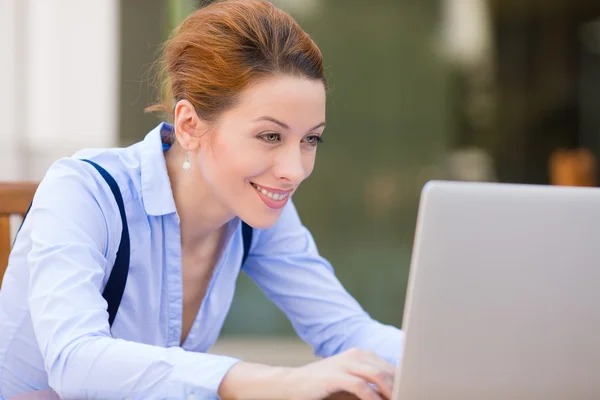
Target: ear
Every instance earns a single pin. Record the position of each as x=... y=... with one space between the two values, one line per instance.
x=189 y=128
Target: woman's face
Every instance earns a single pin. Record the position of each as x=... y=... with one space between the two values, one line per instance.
x=262 y=149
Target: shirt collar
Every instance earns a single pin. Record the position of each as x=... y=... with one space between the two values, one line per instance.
x=156 y=187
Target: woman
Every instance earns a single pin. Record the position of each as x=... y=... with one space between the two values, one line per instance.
x=246 y=90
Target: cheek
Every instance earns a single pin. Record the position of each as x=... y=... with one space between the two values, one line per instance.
x=229 y=164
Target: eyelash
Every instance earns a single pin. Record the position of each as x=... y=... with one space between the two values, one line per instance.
x=317 y=138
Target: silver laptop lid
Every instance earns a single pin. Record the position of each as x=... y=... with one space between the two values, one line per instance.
x=504 y=294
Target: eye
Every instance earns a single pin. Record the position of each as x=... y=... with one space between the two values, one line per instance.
x=271 y=137
x=313 y=140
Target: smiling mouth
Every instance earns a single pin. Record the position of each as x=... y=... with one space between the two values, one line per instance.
x=271 y=195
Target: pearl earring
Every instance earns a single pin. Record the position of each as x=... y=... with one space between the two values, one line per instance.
x=186 y=164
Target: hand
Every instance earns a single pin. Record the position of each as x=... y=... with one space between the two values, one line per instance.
x=352 y=375
x=346 y=376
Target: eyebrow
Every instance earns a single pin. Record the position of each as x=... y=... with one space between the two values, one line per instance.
x=284 y=125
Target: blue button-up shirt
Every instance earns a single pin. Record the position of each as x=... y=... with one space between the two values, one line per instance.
x=54 y=329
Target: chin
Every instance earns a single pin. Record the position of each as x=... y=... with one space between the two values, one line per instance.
x=263 y=221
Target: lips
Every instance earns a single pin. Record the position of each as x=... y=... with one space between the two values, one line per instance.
x=273 y=198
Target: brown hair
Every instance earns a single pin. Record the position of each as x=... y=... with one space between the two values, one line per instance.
x=221 y=49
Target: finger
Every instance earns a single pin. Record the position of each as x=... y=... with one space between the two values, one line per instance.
x=370 y=366
x=378 y=362
x=373 y=374
x=368 y=356
x=381 y=363
x=360 y=388
x=383 y=396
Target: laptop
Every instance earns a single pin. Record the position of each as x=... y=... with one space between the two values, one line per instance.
x=503 y=298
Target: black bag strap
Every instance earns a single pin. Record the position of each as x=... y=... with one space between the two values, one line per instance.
x=247 y=238
x=115 y=286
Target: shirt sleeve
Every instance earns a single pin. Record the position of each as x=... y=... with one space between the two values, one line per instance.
x=73 y=217
x=284 y=262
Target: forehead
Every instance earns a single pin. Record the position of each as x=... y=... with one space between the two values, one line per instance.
x=297 y=101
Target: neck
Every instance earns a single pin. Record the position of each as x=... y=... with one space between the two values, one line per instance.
x=201 y=214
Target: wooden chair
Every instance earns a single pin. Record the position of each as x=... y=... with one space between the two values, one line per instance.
x=15 y=198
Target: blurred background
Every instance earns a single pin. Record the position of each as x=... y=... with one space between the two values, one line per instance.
x=480 y=90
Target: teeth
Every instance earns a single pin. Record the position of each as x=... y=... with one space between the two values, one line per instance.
x=274 y=196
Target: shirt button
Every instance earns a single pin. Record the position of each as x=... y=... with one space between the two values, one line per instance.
x=191 y=397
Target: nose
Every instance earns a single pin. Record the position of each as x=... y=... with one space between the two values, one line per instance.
x=289 y=166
